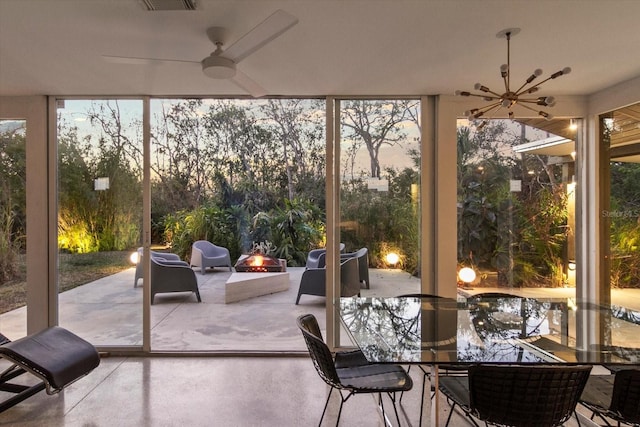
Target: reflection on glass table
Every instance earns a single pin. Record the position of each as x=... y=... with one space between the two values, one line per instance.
x=487 y=329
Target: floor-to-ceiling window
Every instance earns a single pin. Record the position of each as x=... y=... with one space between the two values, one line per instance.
x=13 y=227
x=99 y=210
x=516 y=200
x=380 y=187
x=620 y=132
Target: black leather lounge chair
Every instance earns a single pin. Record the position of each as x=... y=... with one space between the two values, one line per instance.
x=55 y=355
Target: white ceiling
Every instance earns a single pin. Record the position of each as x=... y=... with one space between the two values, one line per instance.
x=341 y=47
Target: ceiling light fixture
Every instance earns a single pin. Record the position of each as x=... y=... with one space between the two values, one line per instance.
x=510 y=98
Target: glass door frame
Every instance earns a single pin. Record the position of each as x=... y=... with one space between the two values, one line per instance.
x=431 y=275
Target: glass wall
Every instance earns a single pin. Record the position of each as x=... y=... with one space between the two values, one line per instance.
x=13 y=228
x=621 y=219
x=99 y=151
x=516 y=218
x=379 y=194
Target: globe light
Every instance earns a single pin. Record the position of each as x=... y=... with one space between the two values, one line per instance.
x=134 y=257
x=392 y=259
x=467 y=275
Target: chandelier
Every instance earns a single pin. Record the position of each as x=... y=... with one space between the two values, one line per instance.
x=509 y=98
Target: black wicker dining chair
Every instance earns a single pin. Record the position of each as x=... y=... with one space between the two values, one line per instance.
x=348 y=372
x=518 y=396
x=614 y=397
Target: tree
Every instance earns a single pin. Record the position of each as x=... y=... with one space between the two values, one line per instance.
x=91 y=219
x=374 y=124
x=295 y=124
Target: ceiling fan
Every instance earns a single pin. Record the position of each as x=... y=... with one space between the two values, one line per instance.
x=222 y=63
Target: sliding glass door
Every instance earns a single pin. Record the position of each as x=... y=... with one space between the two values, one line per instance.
x=99 y=210
x=13 y=228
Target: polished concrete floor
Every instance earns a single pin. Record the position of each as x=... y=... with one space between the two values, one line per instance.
x=209 y=391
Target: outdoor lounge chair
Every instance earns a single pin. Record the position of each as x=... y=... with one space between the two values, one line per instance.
x=172 y=276
x=205 y=254
x=363 y=264
x=313 y=280
x=55 y=355
x=166 y=256
x=316 y=258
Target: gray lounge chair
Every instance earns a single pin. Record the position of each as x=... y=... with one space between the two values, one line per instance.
x=363 y=264
x=205 y=254
x=166 y=256
x=316 y=258
x=313 y=280
x=172 y=276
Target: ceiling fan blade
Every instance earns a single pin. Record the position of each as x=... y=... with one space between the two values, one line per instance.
x=276 y=24
x=134 y=60
x=247 y=83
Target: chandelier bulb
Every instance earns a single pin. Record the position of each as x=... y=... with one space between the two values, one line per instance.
x=536 y=73
x=479 y=86
x=550 y=101
x=565 y=70
x=545 y=115
x=506 y=103
x=504 y=70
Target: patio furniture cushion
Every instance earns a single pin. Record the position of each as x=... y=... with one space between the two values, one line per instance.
x=55 y=355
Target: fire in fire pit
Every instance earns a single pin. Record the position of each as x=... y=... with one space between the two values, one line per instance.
x=258 y=263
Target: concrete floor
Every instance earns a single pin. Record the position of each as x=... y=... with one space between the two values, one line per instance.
x=209 y=391
x=108 y=312
x=213 y=390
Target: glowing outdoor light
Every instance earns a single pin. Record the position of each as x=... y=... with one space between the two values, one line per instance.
x=467 y=275
x=392 y=258
x=134 y=257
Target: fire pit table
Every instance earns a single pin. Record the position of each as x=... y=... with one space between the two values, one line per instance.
x=256 y=275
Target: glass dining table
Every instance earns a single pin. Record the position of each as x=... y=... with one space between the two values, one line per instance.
x=490 y=329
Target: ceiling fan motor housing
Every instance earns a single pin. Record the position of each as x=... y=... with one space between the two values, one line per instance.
x=218 y=67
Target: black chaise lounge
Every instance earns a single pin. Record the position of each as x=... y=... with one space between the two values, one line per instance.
x=55 y=355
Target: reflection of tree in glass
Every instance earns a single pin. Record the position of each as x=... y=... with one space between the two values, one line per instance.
x=498 y=321
x=391 y=326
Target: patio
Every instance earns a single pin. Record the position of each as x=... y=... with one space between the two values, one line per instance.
x=109 y=312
